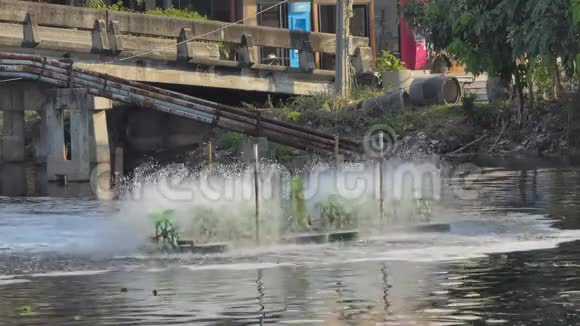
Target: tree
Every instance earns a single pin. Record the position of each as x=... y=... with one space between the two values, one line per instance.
x=502 y=37
x=548 y=33
x=477 y=33
x=576 y=17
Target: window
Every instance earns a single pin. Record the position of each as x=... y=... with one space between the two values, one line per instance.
x=274 y=17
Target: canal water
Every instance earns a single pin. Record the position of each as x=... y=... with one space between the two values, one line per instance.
x=511 y=256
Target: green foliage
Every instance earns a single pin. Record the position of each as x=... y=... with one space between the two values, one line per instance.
x=575 y=11
x=221 y=223
x=440 y=63
x=293 y=115
x=488 y=36
x=166 y=231
x=299 y=213
x=328 y=111
x=232 y=141
x=386 y=61
x=177 y=13
x=364 y=92
x=281 y=153
x=541 y=76
x=547 y=30
x=484 y=116
x=433 y=117
x=100 y=4
x=169 y=12
x=468 y=103
x=26 y=309
x=334 y=214
x=503 y=38
x=226 y=50
x=205 y=224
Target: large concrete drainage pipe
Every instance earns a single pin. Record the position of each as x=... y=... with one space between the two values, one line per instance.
x=393 y=102
x=436 y=90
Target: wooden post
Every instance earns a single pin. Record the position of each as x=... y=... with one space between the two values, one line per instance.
x=210 y=156
x=381 y=195
x=343 y=15
x=337 y=148
x=257 y=190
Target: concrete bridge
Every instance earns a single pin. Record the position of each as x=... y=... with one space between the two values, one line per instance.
x=55 y=90
x=74 y=62
x=150 y=48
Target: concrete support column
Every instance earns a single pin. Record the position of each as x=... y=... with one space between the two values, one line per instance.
x=12 y=148
x=12 y=137
x=18 y=175
x=249 y=11
x=15 y=98
x=89 y=158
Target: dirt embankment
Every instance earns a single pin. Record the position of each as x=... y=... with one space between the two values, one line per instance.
x=550 y=128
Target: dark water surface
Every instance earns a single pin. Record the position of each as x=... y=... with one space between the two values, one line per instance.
x=511 y=258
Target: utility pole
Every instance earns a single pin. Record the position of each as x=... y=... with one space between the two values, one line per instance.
x=343 y=16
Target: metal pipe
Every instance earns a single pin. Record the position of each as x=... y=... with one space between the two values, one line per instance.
x=92 y=81
x=257 y=189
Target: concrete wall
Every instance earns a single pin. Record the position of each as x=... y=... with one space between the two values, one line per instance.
x=150 y=131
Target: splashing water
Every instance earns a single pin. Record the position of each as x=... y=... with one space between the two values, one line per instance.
x=219 y=204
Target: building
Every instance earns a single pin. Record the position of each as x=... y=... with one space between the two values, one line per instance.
x=379 y=20
x=376 y=19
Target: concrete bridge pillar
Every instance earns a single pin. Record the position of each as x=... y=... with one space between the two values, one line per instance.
x=12 y=136
x=16 y=170
x=12 y=177
x=12 y=147
x=77 y=138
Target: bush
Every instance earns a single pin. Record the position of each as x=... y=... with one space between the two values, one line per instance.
x=468 y=103
x=293 y=115
x=100 y=4
x=323 y=110
x=178 y=13
x=389 y=62
x=232 y=141
x=170 y=12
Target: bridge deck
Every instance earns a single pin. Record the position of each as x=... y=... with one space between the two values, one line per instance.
x=159 y=49
x=61 y=74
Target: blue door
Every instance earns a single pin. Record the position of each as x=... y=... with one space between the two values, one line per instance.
x=298 y=19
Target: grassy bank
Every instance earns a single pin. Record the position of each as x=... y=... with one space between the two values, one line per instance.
x=551 y=127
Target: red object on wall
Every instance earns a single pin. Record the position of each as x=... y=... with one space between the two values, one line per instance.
x=413 y=51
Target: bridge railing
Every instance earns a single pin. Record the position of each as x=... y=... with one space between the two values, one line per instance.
x=126 y=34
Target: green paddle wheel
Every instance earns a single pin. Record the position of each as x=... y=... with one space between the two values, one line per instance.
x=166 y=231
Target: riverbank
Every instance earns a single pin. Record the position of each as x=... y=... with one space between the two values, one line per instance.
x=552 y=127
